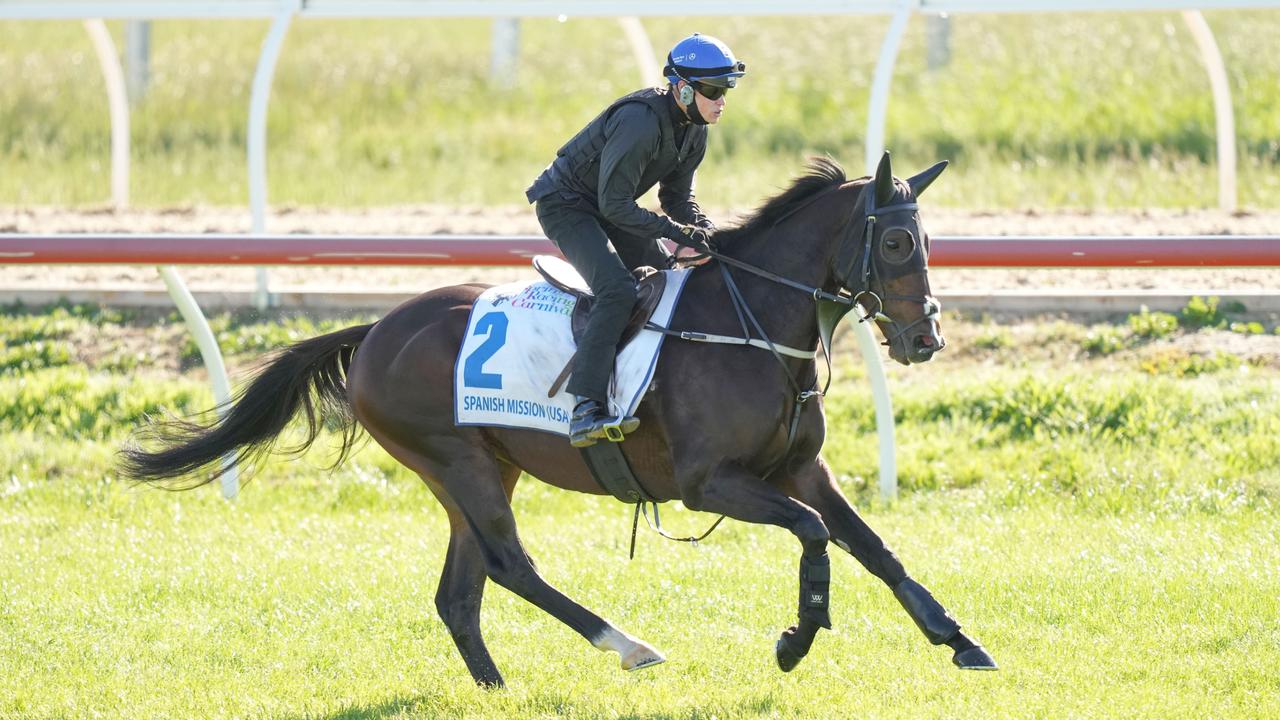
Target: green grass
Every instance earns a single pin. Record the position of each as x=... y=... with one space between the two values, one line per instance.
x=1106 y=526
x=296 y=602
x=385 y=112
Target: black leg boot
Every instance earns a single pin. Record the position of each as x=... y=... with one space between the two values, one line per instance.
x=815 y=597
x=940 y=628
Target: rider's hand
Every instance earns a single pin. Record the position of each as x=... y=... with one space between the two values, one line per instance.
x=691 y=236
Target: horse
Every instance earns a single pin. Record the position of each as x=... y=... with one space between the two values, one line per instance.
x=703 y=439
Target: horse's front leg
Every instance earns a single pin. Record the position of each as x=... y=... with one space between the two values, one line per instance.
x=730 y=490
x=815 y=486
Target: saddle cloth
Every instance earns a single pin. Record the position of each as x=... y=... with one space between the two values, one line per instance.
x=518 y=340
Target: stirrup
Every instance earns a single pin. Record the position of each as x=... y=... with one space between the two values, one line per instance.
x=616 y=431
x=611 y=428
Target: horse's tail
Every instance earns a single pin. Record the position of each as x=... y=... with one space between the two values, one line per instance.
x=310 y=375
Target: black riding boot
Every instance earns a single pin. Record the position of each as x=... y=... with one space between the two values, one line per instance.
x=591 y=421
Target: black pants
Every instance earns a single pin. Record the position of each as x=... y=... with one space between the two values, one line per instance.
x=605 y=260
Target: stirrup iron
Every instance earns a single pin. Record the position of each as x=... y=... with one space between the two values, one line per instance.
x=613 y=431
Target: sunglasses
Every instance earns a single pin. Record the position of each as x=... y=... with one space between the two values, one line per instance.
x=710 y=92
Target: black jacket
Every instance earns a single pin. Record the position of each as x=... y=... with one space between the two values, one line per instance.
x=624 y=152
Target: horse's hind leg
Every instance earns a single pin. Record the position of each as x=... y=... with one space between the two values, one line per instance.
x=816 y=487
x=487 y=511
x=458 y=601
x=462 y=587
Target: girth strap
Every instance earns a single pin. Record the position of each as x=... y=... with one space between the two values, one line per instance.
x=612 y=472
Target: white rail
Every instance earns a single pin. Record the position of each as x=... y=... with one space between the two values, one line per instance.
x=171 y=9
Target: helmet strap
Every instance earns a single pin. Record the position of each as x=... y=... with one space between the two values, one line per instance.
x=695 y=115
x=688 y=98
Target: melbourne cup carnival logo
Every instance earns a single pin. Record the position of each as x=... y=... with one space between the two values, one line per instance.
x=541 y=297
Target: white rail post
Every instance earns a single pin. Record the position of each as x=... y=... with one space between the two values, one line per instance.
x=642 y=49
x=212 y=356
x=878 y=111
x=1224 y=116
x=938 y=30
x=876 y=120
x=258 y=131
x=137 y=55
x=118 y=105
x=884 y=409
x=504 y=52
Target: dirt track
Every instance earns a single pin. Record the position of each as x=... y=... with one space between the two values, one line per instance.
x=429 y=219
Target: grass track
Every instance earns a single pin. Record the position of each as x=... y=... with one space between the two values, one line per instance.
x=291 y=603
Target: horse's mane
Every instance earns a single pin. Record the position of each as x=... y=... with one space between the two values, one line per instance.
x=821 y=173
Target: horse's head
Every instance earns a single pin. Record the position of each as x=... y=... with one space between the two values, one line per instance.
x=884 y=263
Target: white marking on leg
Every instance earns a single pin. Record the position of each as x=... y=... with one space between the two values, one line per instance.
x=615 y=640
x=635 y=654
x=843 y=545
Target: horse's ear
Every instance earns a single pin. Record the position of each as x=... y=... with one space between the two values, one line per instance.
x=884 y=180
x=919 y=182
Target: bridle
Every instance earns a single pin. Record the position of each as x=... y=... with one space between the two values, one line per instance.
x=878 y=274
x=872 y=272
x=830 y=306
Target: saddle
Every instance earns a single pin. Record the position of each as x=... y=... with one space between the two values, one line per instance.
x=559 y=274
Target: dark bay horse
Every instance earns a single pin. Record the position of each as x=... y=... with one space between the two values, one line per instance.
x=726 y=429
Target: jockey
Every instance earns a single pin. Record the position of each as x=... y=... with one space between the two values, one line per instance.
x=586 y=204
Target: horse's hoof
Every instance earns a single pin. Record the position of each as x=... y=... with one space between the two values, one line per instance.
x=787 y=657
x=974 y=658
x=642 y=656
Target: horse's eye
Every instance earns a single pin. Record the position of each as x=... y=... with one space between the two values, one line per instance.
x=897 y=246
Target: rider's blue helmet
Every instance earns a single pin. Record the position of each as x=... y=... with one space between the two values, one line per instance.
x=703 y=59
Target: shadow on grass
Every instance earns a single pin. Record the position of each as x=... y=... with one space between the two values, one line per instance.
x=391 y=708
x=422 y=706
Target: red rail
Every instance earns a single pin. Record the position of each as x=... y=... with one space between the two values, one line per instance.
x=953 y=251
x=165 y=249
x=1107 y=251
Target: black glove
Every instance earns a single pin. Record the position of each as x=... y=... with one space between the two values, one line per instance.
x=691 y=236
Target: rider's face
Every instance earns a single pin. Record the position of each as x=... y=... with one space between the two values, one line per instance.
x=710 y=109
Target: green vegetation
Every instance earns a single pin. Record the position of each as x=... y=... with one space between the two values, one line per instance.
x=243 y=334
x=1147 y=328
x=1153 y=325
x=401 y=111
x=1085 y=515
